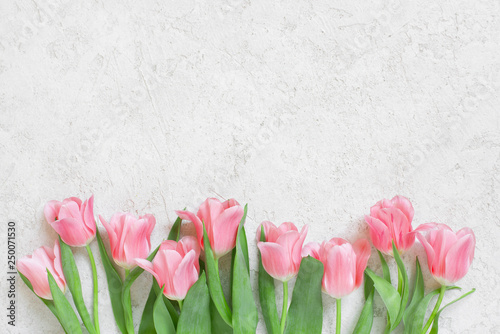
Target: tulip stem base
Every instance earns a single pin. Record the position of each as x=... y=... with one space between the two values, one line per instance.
x=339 y=313
x=180 y=305
x=285 y=307
x=96 y=289
x=435 y=310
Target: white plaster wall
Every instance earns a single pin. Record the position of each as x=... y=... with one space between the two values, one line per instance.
x=309 y=111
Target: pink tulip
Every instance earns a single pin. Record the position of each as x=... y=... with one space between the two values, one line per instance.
x=35 y=266
x=391 y=221
x=344 y=264
x=72 y=220
x=449 y=254
x=129 y=237
x=175 y=266
x=221 y=221
x=281 y=252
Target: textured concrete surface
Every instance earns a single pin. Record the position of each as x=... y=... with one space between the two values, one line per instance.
x=310 y=111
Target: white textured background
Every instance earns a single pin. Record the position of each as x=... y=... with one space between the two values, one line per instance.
x=310 y=111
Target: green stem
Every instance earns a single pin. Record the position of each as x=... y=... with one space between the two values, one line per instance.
x=127 y=307
x=180 y=305
x=339 y=312
x=96 y=289
x=436 y=309
x=285 y=307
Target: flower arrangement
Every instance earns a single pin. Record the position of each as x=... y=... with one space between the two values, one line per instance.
x=187 y=296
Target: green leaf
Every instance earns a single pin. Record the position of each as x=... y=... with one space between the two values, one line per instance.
x=114 y=285
x=245 y=317
x=404 y=288
x=176 y=229
x=389 y=295
x=365 y=321
x=49 y=303
x=416 y=319
x=219 y=326
x=74 y=284
x=267 y=296
x=435 y=325
x=67 y=316
x=126 y=299
x=195 y=315
x=162 y=321
x=168 y=303
x=305 y=314
x=418 y=293
x=214 y=284
x=385 y=268
x=147 y=325
x=368 y=286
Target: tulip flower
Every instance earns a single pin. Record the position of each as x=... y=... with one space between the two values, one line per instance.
x=175 y=267
x=221 y=221
x=390 y=220
x=449 y=254
x=281 y=255
x=344 y=267
x=34 y=268
x=281 y=252
x=72 y=220
x=129 y=237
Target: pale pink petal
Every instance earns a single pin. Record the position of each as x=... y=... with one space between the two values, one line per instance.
x=225 y=228
x=229 y=203
x=459 y=258
x=88 y=214
x=51 y=211
x=71 y=232
x=403 y=204
x=113 y=238
x=168 y=245
x=209 y=210
x=275 y=260
x=339 y=278
x=428 y=250
x=267 y=225
x=362 y=250
x=185 y=275
x=379 y=234
x=149 y=267
x=296 y=254
x=311 y=249
x=186 y=215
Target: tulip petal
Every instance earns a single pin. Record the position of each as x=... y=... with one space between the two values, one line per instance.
x=51 y=210
x=185 y=275
x=34 y=273
x=459 y=258
x=380 y=235
x=149 y=267
x=70 y=230
x=362 y=249
x=428 y=250
x=297 y=247
x=275 y=260
x=186 y=215
x=340 y=269
x=88 y=214
x=403 y=204
x=311 y=249
x=224 y=230
x=209 y=210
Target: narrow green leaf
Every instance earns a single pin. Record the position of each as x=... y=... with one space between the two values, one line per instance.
x=214 y=284
x=219 y=326
x=162 y=321
x=114 y=285
x=245 y=317
x=389 y=295
x=435 y=325
x=404 y=288
x=168 y=303
x=365 y=321
x=267 y=296
x=126 y=299
x=305 y=314
x=67 y=316
x=385 y=268
x=74 y=284
x=416 y=319
x=368 y=286
x=176 y=229
x=195 y=315
x=49 y=303
x=418 y=293
x=147 y=325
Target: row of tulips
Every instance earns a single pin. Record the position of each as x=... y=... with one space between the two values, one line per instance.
x=187 y=296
